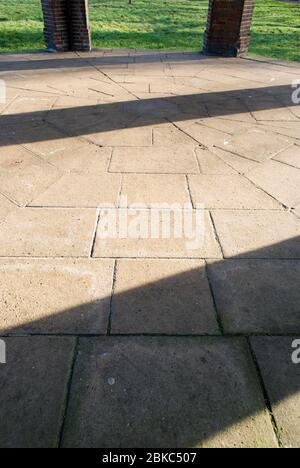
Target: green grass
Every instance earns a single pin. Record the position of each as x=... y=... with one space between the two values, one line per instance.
x=163 y=24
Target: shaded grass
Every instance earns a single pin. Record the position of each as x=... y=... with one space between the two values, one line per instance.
x=161 y=24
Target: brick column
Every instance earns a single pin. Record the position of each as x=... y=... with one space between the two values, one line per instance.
x=80 y=36
x=228 y=28
x=66 y=25
x=56 y=28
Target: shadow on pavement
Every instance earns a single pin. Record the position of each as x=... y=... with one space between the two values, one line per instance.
x=171 y=386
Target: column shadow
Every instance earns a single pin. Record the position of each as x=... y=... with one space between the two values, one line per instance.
x=131 y=386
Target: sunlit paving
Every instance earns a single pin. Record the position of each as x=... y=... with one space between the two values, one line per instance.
x=149 y=249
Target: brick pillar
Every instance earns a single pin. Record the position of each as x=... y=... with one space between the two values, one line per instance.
x=56 y=28
x=66 y=25
x=80 y=36
x=228 y=28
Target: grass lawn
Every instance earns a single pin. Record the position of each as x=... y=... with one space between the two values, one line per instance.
x=163 y=24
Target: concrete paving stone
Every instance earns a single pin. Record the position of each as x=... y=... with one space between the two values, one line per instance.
x=163 y=296
x=228 y=192
x=290 y=129
x=228 y=109
x=258 y=234
x=157 y=234
x=282 y=381
x=290 y=156
x=227 y=126
x=150 y=189
x=257 y=296
x=64 y=102
x=255 y=144
x=164 y=160
x=141 y=136
x=5 y=207
x=169 y=135
x=262 y=74
x=138 y=87
x=23 y=176
x=151 y=111
x=211 y=164
x=33 y=388
x=204 y=135
x=143 y=384
x=93 y=120
x=279 y=180
x=82 y=190
x=161 y=85
x=269 y=108
x=39 y=232
x=107 y=90
x=194 y=105
x=239 y=164
x=55 y=295
x=87 y=159
x=150 y=69
x=46 y=141
x=11 y=92
x=29 y=107
x=179 y=69
x=13 y=134
x=297 y=211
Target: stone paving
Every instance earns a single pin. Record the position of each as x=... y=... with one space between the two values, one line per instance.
x=144 y=342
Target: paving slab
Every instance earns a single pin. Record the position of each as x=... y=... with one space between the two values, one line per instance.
x=129 y=392
x=297 y=211
x=130 y=234
x=34 y=232
x=255 y=144
x=43 y=139
x=225 y=125
x=169 y=135
x=279 y=180
x=290 y=156
x=87 y=159
x=5 y=207
x=164 y=160
x=211 y=164
x=232 y=109
x=151 y=189
x=137 y=136
x=205 y=136
x=238 y=163
x=289 y=129
x=33 y=107
x=270 y=109
x=163 y=296
x=82 y=190
x=257 y=296
x=228 y=192
x=282 y=381
x=33 y=390
x=69 y=296
x=258 y=234
x=23 y=176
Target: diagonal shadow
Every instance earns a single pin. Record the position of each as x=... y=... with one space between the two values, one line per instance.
x=82 y=121
x=180 y=389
